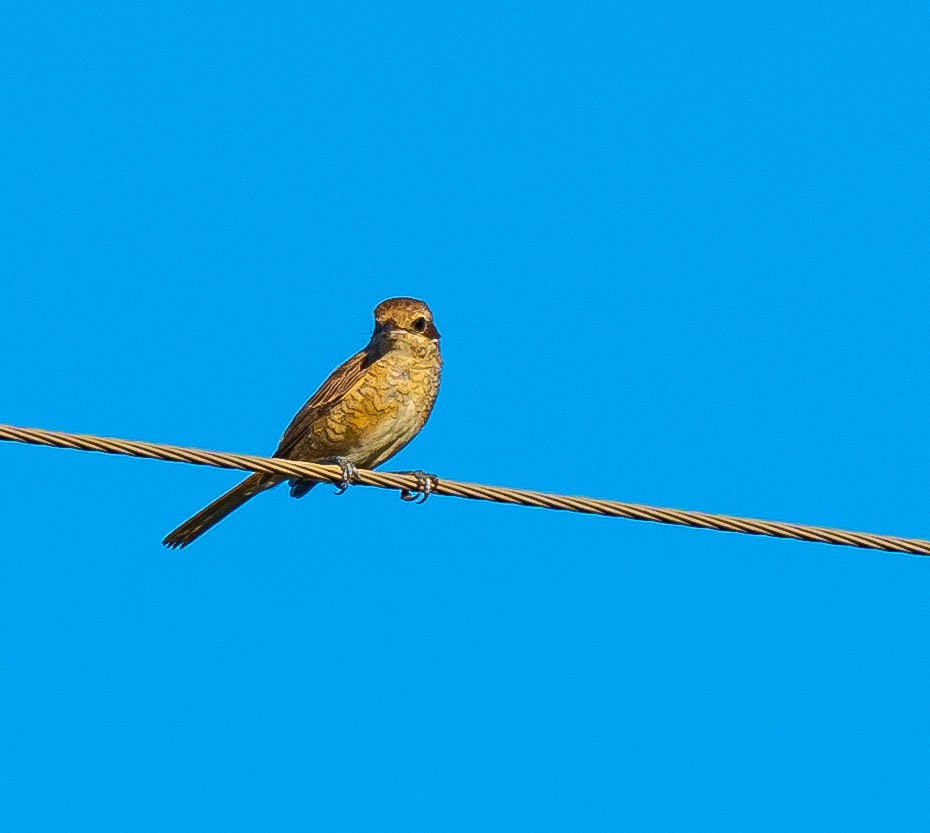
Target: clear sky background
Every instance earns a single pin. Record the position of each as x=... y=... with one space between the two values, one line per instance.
x=678 y=254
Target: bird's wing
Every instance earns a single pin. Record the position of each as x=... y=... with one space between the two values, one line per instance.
x=342 y=380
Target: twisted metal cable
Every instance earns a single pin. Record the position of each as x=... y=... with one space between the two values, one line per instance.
x=472 y=491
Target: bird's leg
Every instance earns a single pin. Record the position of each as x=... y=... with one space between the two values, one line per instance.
x=426 y=484
x=349 y=472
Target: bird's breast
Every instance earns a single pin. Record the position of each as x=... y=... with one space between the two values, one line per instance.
x=386 y=410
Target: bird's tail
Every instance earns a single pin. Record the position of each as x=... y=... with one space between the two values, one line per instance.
x=195 y=526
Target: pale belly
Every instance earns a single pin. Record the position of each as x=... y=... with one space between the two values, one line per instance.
x=387 y=436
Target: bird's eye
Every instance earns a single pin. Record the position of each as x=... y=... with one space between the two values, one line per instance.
x=419 y=324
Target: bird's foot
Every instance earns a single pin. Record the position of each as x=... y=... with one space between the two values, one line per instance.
x=426 y=485
x=349 y=473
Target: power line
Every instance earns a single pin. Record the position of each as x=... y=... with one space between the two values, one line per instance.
x=472 y=491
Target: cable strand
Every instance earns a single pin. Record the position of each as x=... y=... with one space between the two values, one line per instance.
x=469 y=491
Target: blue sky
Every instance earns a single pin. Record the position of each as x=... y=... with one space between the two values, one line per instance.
x=678 y=255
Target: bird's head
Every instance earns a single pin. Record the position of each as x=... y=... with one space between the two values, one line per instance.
x=405 y=323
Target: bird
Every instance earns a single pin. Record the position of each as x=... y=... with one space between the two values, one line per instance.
x=366 y=411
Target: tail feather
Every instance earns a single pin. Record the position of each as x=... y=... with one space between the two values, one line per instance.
x=212 y=514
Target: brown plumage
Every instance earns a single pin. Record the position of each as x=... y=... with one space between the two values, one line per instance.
x=368 y=409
